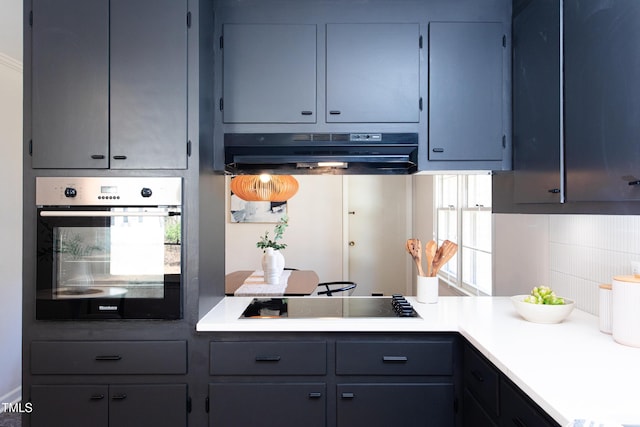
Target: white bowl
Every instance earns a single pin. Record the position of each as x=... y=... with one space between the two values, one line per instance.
x=542 y=313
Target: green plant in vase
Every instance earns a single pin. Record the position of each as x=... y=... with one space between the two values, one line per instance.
x=265 y=242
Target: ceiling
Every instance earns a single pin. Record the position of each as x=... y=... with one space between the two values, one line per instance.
x=11 y=28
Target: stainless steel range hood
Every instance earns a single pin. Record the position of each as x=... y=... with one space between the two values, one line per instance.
x=316 y=153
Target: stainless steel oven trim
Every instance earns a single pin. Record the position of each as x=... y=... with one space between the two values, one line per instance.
x=89 y=214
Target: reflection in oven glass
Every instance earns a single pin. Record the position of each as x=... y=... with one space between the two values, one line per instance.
x=128 y=259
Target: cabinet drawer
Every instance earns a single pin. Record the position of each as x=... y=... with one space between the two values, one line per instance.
x=268 y=358
x=482 y=380
x=109 y=357
x=394 y=358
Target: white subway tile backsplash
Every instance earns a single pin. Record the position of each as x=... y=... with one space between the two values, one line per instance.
x=588 y=250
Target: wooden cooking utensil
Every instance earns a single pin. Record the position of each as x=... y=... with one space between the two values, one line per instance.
x=414 y=247
x=430 y=250
x=443 y=255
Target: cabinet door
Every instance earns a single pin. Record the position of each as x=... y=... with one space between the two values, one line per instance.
x=473 y=414
x=516 y=409
x=70 y=81
x=373 y=73
x=157 y=405
x=69 y=406
x=386 y=405
x=536 y=102
x=148 y=84
x=602 y=99
x=262 y=404
x=269 y=73
x=465 y=91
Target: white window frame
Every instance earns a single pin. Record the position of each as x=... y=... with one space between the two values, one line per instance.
x=453 y=272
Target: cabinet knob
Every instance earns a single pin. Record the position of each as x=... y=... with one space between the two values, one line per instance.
x=554 y=190
x=634 y=182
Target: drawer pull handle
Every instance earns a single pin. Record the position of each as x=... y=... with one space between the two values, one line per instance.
x=307 y=113
x=334 y=112
x=96 y=397
x=477 y=376
x=119 y=396
x=634 y=182
x=348 y=395
x=267 y=358
x=97 y=156
x=518 y=422
x=120 y=157
x=315 y=395
x=395 y=359
x=108 y=358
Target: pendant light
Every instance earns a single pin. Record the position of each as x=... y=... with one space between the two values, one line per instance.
x=264 y=188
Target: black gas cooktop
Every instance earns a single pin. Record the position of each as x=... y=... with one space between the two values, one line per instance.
x=329 y=307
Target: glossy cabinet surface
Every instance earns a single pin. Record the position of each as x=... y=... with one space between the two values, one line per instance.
x=537 y=99
x=602 y=104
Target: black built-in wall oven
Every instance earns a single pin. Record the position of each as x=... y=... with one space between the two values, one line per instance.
x=109 y=248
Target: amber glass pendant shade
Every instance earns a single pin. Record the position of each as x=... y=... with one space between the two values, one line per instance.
x=264 y=188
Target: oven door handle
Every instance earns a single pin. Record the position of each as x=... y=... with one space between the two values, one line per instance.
x=89 y=214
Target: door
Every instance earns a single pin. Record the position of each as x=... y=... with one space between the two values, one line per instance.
x=395 y=404
x=69 y=406
x=148 y=84
x=601 y=69
x=269 y=73
x=378 y=223
x=142 y=405
x=465 y=90
x=268 y=404
x=373 y=73
x=70 y=81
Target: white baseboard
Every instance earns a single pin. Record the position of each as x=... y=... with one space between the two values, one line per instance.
x=14 y=396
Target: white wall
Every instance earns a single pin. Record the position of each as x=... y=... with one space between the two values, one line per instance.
x=10 y=228
x=11 y=28
x=314 y=236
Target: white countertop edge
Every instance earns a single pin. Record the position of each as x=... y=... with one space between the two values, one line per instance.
x=492 y=325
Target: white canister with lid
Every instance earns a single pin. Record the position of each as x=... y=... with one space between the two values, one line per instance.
x=605 y=302
x=625 y=325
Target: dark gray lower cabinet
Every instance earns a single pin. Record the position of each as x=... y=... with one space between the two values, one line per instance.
x=388 y=404
x=125 y=405
x=333 y=379
x=490 y=399
x=265 y=404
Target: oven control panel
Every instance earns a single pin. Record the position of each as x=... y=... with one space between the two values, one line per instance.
x=108 y=191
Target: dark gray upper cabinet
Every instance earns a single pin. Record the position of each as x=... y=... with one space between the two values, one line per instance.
x=70 y=83
x=109 y=84
x=269 y=73
x=536 y=102
x=373 y=73
x=148 y=84
x=602 y=104
x=466 y=91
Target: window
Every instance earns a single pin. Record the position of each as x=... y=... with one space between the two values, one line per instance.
x=463 y=215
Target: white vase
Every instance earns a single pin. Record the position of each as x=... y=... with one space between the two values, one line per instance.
x=273 y=266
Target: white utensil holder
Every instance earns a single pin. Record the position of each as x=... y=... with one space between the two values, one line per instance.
x=625 y=325
x=427 y=292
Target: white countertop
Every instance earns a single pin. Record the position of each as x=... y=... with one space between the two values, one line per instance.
x=571 y=369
